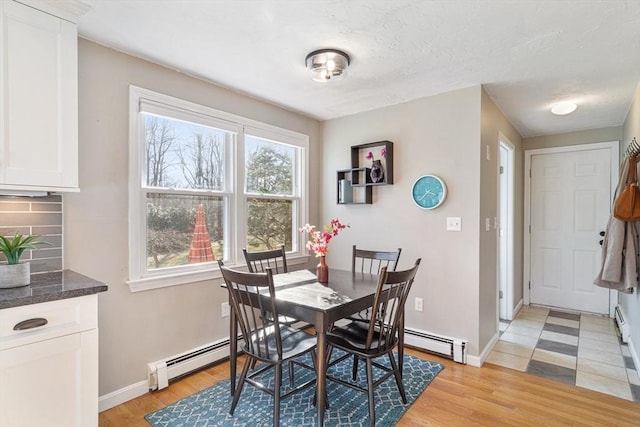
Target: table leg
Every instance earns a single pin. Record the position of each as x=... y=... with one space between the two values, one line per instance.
x=233 y=348
x=321 y=370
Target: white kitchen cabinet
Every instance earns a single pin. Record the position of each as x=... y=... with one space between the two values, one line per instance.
x=49 y=373
x=39 y=92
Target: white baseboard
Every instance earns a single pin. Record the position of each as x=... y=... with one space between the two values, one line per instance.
x=125 y=394
x=479 y=360
x=634 y=353
x=517 y=309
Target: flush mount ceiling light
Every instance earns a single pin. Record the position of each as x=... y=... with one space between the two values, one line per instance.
x=562 y=108
x=327 y=64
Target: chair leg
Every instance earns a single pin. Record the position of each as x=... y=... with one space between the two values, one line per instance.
x=398 y=376
x=372 y=405
x=291 y=379
x=355 y=367
x=276 y=395
x=243 y=376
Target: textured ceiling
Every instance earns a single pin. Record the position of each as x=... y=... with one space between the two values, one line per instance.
x=527 y=54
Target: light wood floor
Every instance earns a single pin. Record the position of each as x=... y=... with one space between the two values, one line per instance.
x=460 y=395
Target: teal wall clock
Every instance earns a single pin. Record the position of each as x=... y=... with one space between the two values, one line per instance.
x=428 y=192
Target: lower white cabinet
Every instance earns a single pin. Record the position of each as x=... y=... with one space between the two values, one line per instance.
x=49 y=373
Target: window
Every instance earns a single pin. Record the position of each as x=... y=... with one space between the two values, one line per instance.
x=204 y=185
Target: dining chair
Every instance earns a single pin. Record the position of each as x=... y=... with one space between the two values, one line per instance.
x=368 y=261
x=379 y=337
x=371 y=262
x=365 y=261
x=269 y=342
x=257 y=262
x=276 y=259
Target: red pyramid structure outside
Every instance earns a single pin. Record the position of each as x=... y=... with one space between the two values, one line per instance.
x=200 y=248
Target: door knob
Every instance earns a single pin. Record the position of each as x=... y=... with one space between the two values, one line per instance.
x=601 y=242
x=602 y=233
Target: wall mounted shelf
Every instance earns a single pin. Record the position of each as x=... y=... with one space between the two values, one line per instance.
x=359 y=158
x=354 y=186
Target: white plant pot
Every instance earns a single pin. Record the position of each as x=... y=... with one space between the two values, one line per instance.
x=15 y=275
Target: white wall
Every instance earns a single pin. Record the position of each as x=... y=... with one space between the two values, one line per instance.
x=574 y=138
x=137 y=328
x=436 y=135
x=494 y=123
x=631 y=303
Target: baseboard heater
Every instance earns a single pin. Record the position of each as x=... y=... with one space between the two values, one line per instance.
x=623 y=326
x=159 y=373
x=453 y=348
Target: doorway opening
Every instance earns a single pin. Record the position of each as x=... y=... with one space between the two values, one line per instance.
x=506 y=234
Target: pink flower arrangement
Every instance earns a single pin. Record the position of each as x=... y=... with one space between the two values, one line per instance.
x=383 y=153
x=319 y=242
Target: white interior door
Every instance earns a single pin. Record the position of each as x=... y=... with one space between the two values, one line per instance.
x=570 y=198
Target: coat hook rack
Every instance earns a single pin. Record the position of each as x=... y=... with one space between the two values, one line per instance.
x=633 y=149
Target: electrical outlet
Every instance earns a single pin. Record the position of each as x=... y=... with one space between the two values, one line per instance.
x=418 y=304
x=225 y=309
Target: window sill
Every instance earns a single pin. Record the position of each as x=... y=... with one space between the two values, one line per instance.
x=157 y=282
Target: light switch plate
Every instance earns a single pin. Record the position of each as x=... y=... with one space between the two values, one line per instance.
x=454 y=223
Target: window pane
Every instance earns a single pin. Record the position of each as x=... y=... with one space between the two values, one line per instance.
x=172 y=229
x=269 y=167
x=183 y=155
x=270 y=224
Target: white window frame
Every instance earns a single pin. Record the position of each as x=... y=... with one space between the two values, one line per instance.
x=140 y=278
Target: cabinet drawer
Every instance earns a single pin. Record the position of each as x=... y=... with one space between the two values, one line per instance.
x=62 y=317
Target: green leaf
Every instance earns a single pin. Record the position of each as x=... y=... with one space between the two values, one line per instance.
x=13 y=249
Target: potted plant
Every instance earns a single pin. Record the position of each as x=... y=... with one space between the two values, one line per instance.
x=14 y=273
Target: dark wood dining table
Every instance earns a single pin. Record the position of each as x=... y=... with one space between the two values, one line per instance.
x=299 y=295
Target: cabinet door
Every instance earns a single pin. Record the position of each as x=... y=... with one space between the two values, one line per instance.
x=51 y=383
x=39 y=120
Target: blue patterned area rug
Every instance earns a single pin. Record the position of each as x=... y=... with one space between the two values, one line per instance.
x=210 y=407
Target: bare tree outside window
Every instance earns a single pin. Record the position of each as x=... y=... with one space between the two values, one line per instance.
x=160 y=139
x=202 y=162
x=244 y=180
x=182 y=157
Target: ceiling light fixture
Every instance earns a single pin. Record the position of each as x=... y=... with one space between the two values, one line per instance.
x=327 y=64
x=563 y=108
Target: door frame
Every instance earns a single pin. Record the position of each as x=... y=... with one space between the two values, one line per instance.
x=508 y=222
x=614 y=147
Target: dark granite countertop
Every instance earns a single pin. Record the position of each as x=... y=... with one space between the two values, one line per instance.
x=53 y=286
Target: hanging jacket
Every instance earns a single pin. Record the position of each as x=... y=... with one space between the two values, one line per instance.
x=620 y=253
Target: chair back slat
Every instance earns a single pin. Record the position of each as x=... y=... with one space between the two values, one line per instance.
x=371 y=262
x=388 y=306
x=244 y=294
x=258 y=262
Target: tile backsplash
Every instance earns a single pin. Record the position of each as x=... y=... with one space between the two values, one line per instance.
x=35 y=215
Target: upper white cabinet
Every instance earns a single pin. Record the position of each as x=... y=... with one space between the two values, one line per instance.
x=39 y=93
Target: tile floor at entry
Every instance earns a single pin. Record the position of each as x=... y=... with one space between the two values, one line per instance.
x=579 y=349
